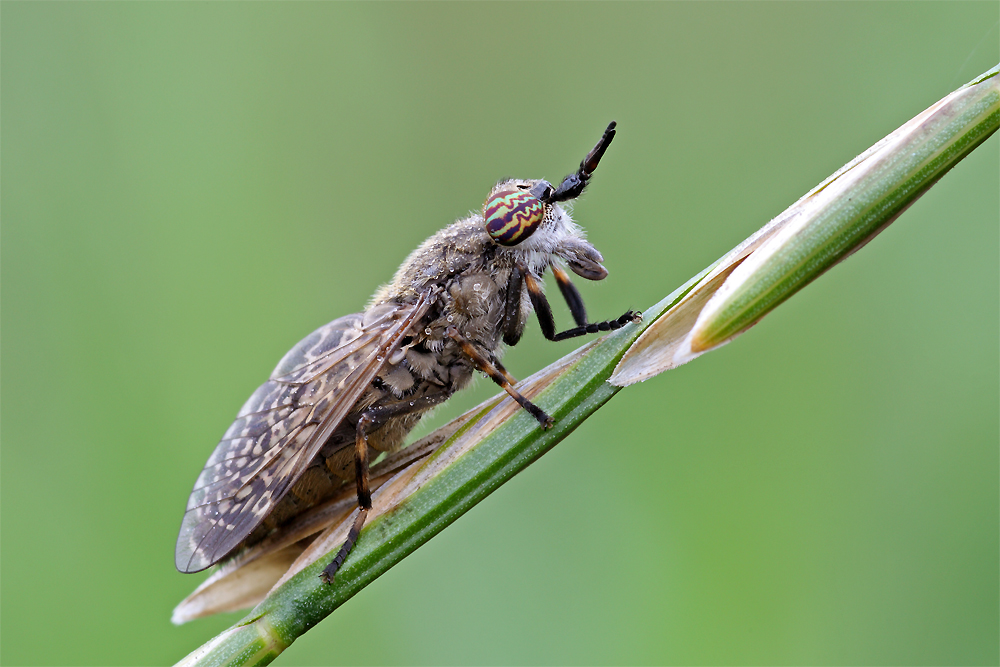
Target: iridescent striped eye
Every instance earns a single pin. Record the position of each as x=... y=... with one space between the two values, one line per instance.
x=512 y=215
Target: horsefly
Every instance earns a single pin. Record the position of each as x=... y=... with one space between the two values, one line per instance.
x=363 y=381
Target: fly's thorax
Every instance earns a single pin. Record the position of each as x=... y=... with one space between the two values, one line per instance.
x=470 y=275
x=472 y=302
x=459 y=247
x=461 y=267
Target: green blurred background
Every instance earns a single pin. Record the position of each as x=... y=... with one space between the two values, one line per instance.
x=188 y=189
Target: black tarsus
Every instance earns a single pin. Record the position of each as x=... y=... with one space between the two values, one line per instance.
x=595 y=327
x=330 y=570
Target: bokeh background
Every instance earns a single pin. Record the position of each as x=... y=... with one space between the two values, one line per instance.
x=188 y=189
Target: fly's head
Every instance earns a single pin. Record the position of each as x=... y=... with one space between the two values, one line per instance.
x=526 y=216
x=513 y=211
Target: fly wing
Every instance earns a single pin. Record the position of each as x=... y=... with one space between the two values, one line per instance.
x=283 y=426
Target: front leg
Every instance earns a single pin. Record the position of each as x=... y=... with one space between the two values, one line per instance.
x=548 y=324
x=571 y=295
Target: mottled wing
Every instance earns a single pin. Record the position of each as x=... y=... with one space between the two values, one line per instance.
x=283 y=426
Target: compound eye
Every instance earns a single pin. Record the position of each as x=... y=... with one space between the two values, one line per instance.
x=512 y=215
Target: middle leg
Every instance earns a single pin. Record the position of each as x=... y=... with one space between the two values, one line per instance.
x=498 y=374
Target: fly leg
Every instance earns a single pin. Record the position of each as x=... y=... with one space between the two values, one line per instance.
x=499 y=374
x=571 y=295
x=513 y=327
x=370 y=420
x=548 y=323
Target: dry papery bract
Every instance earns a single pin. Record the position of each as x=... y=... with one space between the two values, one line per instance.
x=682 y=332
